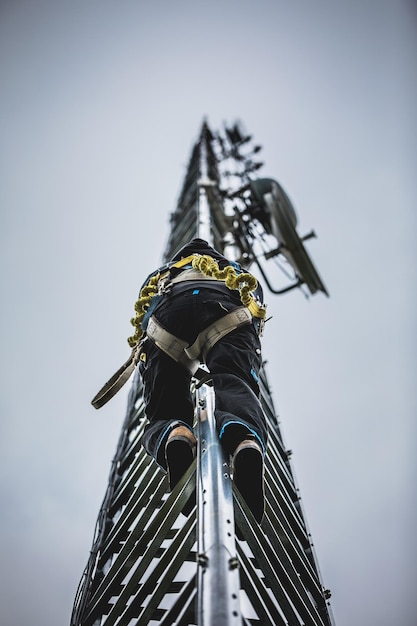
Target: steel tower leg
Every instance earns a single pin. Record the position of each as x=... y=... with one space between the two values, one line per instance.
x=218 y=575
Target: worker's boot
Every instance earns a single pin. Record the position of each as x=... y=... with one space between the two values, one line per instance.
x=248 y=475
x=180 y=451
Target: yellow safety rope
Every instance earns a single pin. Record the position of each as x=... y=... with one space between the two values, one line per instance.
x=141 y=306
x=244 y=282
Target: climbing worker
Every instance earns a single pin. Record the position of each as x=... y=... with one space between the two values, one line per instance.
x=200 y=308
x=188 y=303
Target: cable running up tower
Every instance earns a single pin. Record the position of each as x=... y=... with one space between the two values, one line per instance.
x=151 y=564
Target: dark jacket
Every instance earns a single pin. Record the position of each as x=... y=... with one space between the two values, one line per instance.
x=200 y=246
x=196 y=246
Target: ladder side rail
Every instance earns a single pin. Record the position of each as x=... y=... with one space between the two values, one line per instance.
x=218 y=581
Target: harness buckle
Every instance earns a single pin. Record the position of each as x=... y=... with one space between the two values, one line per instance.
x=164 y=286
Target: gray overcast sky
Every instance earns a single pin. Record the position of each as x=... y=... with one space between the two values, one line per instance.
x=101 y=102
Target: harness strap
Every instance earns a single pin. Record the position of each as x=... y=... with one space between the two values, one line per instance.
x=189 y=355
x=116 y=382
x=190 y=274
x=211 y=335
x=176 y=348
x=170 y=344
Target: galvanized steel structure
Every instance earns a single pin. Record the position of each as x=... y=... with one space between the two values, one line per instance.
x=151 y=564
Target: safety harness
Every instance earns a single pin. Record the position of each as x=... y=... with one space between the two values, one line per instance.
x=192 y=268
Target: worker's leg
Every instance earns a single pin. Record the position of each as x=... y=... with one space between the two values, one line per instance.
x=235 y=362
x=167 y=400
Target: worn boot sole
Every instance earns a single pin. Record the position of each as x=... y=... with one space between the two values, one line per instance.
x=248 y=476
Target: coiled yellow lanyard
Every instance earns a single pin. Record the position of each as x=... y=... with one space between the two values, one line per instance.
x=244 y=282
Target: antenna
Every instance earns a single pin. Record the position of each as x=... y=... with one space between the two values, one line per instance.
x=271 y=206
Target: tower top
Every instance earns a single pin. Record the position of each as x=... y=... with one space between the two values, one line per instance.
x=225 y=201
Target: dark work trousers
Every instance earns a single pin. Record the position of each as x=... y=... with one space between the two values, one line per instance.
x=234 y=363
